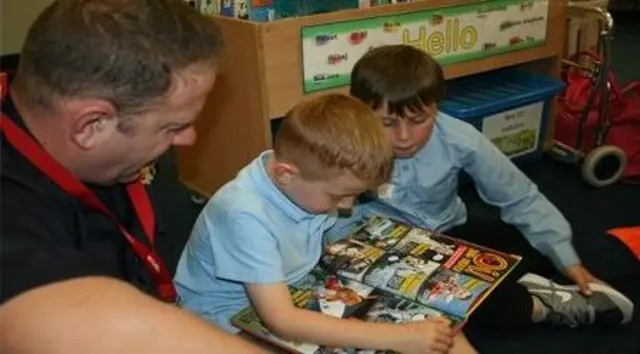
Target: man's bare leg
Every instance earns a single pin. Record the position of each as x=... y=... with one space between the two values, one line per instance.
x=104 y=316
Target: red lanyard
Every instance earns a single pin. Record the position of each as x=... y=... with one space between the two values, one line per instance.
x=70 y=184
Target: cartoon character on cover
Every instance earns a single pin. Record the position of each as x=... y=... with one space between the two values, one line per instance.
x=449 y=289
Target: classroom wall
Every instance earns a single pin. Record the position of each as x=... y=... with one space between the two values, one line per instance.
x=15 y=18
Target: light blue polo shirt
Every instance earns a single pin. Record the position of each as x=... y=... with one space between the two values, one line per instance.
x=249 y=232
x=424 y=191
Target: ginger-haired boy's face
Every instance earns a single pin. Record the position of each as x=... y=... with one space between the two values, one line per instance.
x=408 y=133
x=337 y=192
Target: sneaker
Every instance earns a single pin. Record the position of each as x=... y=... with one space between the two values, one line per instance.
x=569 y=307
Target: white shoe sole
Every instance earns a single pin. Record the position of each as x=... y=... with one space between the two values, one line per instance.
x=624 y=304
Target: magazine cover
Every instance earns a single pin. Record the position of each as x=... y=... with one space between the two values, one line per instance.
x=390 y=272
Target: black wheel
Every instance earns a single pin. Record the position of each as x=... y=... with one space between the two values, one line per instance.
x=604 y=165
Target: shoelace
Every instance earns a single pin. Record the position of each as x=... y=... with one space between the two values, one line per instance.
x=569 y=313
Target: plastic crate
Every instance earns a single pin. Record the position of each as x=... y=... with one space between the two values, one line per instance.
x=509 y=107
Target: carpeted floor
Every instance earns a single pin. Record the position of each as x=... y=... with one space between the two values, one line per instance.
x=590 y=211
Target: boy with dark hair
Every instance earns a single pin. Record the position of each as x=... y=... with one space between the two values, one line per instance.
x=404 y=86
x=265 y=229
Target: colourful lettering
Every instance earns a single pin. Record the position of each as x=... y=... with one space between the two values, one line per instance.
x=452 y=39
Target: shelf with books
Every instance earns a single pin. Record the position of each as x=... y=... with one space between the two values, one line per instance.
x=267 y=67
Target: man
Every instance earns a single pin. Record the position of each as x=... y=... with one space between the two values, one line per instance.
x=104 y=87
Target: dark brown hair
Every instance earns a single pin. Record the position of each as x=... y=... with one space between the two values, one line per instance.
x=335 y=132
x=402 y=76
x=123 y=51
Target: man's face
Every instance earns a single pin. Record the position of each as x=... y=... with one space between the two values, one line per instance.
x=167 y=123
x=410 y=133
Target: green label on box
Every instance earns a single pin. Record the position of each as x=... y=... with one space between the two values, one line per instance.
x=451 y=35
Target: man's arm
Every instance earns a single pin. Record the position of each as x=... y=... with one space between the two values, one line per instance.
x=101 y=315
x=275 y=308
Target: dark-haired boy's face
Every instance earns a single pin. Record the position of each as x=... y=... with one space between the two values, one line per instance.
x=408 y=133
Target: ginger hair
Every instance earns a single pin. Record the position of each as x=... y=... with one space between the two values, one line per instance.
x=335 y=133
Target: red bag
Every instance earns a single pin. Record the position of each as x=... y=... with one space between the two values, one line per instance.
x=624 y=115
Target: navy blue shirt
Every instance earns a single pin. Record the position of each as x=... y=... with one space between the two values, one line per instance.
x=49 y=236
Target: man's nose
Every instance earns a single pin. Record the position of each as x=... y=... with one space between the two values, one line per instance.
x=185 y=137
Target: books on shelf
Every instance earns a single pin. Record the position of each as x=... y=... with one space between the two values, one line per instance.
x=389 y=272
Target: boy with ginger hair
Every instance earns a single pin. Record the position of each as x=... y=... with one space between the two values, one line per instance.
x=265 y=229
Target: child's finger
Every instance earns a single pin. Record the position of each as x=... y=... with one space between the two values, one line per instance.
x=442 y=320
x=584 y=287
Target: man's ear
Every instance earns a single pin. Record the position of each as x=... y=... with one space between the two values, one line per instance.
x=284 y=172
x=92 y=121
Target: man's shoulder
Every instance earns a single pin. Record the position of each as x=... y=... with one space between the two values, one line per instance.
x=25 y=189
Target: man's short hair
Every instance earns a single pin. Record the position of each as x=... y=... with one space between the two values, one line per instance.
x=335 y=132
x=123 y=51
x=402 y=76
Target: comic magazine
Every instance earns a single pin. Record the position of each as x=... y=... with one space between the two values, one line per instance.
x=390 y=272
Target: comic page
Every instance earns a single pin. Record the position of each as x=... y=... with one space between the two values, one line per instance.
x=452 y=292
x=398 y=274
x=488 y=265
x=427 y=246
x=332 y=295
x=350 y=258
x=394 y=309
x=381 y=233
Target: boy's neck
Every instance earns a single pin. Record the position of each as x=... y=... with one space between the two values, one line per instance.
x=270 y=168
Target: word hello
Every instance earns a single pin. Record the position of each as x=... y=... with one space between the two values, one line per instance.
x=452 y=39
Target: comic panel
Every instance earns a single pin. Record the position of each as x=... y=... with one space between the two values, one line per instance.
x=483 y=264
x=427 y=246
x=350 y=258
x=398 y=274
x=332 y=295
x=381 y=232
x=393 y=309
x=452 y=292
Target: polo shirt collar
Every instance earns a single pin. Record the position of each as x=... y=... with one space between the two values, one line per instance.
x=268 y=189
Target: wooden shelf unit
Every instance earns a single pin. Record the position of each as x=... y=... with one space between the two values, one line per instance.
x=260 y=78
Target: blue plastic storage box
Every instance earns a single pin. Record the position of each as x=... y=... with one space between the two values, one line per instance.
x=508 y=106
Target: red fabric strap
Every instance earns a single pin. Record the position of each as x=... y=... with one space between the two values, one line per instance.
x=33 y=152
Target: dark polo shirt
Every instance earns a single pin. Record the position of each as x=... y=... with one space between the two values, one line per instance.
x=49 y=236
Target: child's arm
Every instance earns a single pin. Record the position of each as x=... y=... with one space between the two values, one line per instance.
x=499 y=182
x=274 y=306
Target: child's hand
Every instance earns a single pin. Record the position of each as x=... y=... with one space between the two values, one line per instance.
x=432 y=336
x=582 y=277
